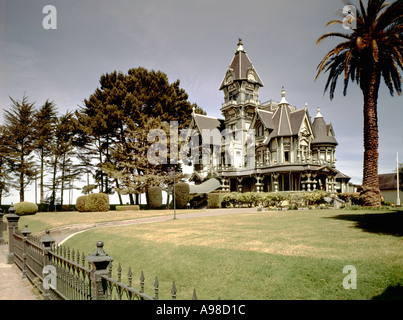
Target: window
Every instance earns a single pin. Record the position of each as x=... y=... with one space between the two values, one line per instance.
x=233 y=95
x=249 y=94
x=259 y=130
x=287 y=156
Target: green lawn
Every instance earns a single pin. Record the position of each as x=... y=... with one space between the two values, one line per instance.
x=48 y=220
x=261 y=255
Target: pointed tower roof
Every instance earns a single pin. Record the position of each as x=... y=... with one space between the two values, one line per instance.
x=281 y=118
x=241 y=67
x=323 y=132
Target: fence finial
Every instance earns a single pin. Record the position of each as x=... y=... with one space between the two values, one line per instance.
x=173 y=291
x=99 y=259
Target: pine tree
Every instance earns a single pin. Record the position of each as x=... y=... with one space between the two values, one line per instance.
x=113 y=119
x=45 y=119
x=4 y=177
x=20 y=143
x=62 y=153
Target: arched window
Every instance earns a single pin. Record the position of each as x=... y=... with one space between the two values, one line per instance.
x=259 y=130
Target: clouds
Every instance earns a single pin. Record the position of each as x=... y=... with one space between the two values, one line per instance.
x=193 y=41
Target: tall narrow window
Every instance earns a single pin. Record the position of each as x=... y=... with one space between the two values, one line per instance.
x=286 y=156
x=248 y=94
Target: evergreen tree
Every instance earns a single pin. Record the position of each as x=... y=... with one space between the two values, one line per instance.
x=20 y=143
x=45 y=119
x=113 y=119
x=62 y=153
x=4 y=188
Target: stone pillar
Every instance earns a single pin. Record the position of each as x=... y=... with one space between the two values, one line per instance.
x=12 y=226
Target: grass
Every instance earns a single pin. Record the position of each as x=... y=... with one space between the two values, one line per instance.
x=262 y=255
x=48 y=220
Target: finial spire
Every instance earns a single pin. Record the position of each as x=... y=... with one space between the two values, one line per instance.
x=283 y=100
x=319 y=115
x=240 y=45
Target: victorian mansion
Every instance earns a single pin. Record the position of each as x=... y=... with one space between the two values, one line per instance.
x=263 y=147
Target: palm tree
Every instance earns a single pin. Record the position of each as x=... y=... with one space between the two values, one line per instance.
x=369 y=52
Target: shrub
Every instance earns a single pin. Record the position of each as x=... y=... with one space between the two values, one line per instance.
x=80 y=203
x=25 y=208
x=229 y=200
x=154 y=197
x=354 y=197
x=97 y=202
x=214 y=200
x=182 y=194
x=315 y=197
x=133 y=207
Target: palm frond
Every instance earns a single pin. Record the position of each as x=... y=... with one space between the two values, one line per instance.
x=333 y=34
x=376 y=42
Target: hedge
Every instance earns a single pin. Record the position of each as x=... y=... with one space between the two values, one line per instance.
x=214 y=200
x=154 y=197
x=25 y=208
x=133 y=207
x=266 y=199
x=182 y=194
x=80 y=203
x=94 y=202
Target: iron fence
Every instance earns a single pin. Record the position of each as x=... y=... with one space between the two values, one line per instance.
x=60 y=273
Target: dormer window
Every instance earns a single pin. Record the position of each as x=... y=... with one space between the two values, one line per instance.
x=229 y=79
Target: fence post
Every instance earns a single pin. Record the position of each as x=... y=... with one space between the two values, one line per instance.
x=12 y=225
x=47 y=242
x=99 y=261
x=2 y=226
x=25 y=233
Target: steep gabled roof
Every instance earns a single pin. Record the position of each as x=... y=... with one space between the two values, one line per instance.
x=241 y=66
x=266 y=117
x=296 y=119
x=206 y=126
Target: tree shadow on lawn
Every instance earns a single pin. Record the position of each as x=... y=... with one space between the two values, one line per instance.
x=390 y=223
x=391 y=293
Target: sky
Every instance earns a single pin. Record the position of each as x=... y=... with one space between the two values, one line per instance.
x=193 y=41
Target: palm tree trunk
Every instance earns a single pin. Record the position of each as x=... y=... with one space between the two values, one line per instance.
x=370 y=181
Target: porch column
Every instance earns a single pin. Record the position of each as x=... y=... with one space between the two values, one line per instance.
x=259 y=184
x=275 y=182
x=240 y=184
x=308 y=182
x=314 y=181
